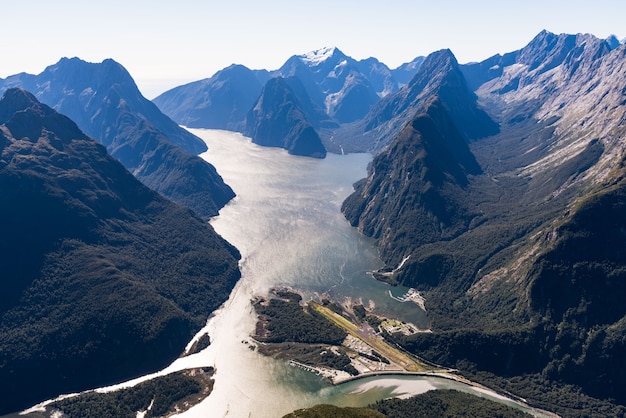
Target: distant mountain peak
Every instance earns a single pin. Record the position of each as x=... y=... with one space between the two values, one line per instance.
x=613 y=41
x=278 y=120
x=441 y=60
x=81 y=74
x=319 y=56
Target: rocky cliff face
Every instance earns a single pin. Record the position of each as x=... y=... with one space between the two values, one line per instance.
x=416 y=192
x=277 y=120
x=439 y=75
x=105 y=103
x=103 y=279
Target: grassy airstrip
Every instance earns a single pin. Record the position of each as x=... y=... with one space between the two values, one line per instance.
x=397 y=357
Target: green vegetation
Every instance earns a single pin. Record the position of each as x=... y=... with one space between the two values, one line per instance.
x=288 y=321
x=161 y=154
x=569 y=356
x=203 y=342
x=331 y=411
x=564 y=399
x=435 y=403
x=158 y=397
x=102 y=278
x=360 y=312
x=523 y=276
x=445 y=403
x=290 y=330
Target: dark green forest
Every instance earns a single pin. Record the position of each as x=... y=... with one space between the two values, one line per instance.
x=287 y=329
x=103 y=279
x=432 y=404
x=158 y=397
x=288 y=321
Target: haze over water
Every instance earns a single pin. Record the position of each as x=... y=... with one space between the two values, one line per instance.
x=286 y=222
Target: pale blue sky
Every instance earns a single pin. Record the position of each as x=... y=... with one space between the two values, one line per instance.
x=167 y=43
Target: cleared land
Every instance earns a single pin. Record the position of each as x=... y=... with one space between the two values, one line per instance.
x=366 y=334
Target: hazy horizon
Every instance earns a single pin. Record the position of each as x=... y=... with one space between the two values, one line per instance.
x=163 y=45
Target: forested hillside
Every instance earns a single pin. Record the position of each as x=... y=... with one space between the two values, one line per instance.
x=103 y=279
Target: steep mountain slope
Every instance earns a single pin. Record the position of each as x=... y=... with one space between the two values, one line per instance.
x=439 y=75
x=277 y=120
x=522 y=264
x=578 y=90
x=106 y=104
x=418 y=183
x=103 y=279
x=342 y=88
x=219 y=102
x=379 y=75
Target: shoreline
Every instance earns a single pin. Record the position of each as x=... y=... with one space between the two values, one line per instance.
x=448 y=376
x=370 y=354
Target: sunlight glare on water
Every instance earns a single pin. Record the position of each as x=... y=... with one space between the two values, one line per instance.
x=287 y=224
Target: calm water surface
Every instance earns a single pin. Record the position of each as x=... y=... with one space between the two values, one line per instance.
x=286 y=222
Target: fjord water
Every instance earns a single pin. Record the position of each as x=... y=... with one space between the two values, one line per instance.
x=286 y=222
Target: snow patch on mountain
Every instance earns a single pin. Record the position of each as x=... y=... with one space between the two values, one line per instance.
x=317 y=57
x=338 y=70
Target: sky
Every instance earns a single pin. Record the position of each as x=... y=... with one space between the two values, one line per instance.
x=168 y=43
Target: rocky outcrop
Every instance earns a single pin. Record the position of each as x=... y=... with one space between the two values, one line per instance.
x=277 y=120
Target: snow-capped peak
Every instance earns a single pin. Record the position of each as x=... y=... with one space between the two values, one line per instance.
x=318 y=56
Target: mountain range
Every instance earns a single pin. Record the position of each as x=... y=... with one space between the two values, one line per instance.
x=497 y=190
x=335 y=89
x=107 y=105
x=103 y=279
x=504 y=207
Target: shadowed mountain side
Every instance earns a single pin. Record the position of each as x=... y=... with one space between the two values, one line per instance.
x=379 y=75
x=439 y=75
x=219 y=102
x=579 y=282
x=106 y=104
x=422 y=176
x=525 y=294
x=278 y=121
x=103 y=279
x=313 y=113
x=182 y=177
